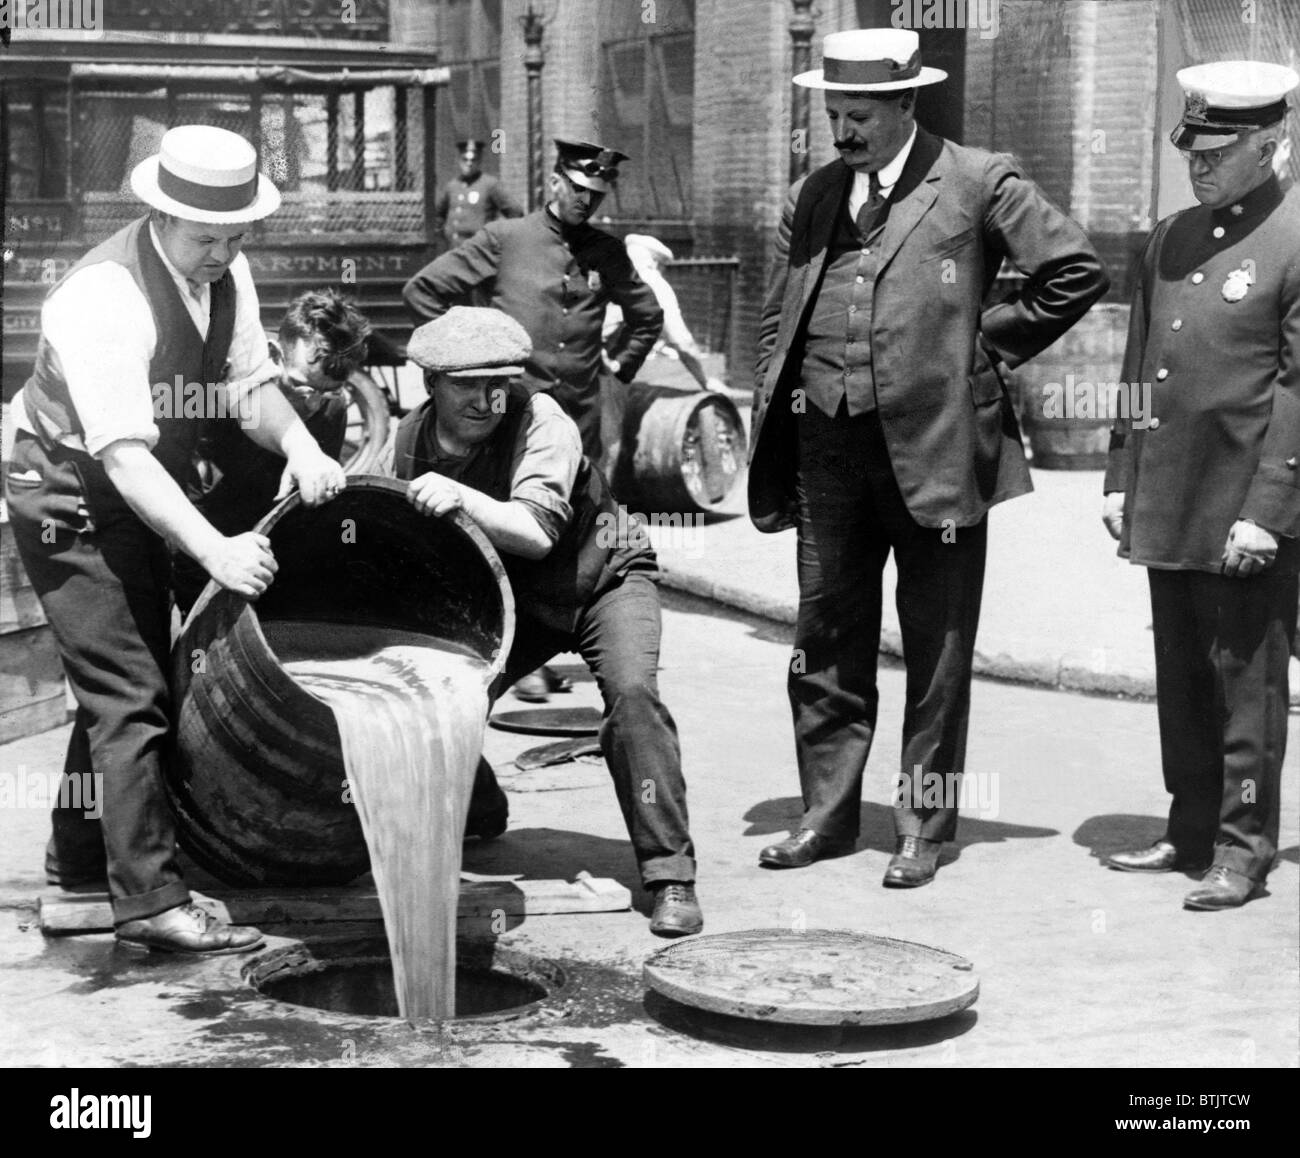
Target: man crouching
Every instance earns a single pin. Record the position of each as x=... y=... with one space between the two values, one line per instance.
x=513 y=462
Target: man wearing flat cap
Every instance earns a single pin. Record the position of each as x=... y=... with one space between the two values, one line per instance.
x=103 y=450
x=511 y=459
x=471 y=199
x=554 y=274
x=881 y=423
x=1207 y=495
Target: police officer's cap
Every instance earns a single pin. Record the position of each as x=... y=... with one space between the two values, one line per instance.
x=1227 y=98
x=471 y=341
x=588 y=165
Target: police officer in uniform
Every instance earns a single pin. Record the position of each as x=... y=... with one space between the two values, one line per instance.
x=554 y=274
x=1207 y=495
x=472 y=199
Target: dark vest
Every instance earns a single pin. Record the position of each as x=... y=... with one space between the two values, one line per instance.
x=594 y=550
x=837 y=348
x=179 y=351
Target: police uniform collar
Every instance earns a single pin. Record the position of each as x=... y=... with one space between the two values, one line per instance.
x=558 y=227
x=1264 y=198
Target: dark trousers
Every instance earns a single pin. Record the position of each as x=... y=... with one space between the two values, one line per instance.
x=851 y=516
x=1222 y=647
x=104 y=588
x=617 y=636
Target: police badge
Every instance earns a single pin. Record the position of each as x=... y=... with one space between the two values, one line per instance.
x=593 y=281
x=1237 y=283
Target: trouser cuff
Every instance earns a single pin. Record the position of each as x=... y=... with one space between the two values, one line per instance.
x=144 y=905
x=668 y=868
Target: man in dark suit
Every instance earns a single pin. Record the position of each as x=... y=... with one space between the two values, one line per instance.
x=1207 y=495
x=881 y=423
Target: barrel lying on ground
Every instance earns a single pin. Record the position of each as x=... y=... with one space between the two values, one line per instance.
x=257 y=775
x=681 y=450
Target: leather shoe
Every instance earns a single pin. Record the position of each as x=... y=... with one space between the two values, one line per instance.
x=914 y=863
x=489 y=825
x=801 y=849
x=677 y=910
x=533 y=688
x=1161 y=857
x=1221 y=888
x=190 y=931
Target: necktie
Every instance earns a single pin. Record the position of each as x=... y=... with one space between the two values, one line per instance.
x=872 y=208
x=196 y=290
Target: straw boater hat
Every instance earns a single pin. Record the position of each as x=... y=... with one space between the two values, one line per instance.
x=1227 y=98
x=871 y=60
x=206 y=174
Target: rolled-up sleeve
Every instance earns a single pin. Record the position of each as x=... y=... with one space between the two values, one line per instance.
x=547 y=454
x=102 y=332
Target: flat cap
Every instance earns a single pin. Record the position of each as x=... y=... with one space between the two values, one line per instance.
x=473 y=342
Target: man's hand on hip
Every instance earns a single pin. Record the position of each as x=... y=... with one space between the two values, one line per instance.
x=1249 y=550
x=1112 y=513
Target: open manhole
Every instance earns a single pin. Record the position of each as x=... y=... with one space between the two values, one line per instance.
x=356 y=977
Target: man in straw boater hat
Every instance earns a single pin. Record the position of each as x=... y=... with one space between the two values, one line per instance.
x=1207 y=495
x=583 y=579
x=471 y=199
x=881 y=423
x=554 y=274
x=95 y=494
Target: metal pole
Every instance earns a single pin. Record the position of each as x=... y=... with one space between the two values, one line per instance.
x=801 y=34
x=533 y=62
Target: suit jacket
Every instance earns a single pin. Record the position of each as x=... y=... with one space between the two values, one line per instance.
x=950 y=427
x=1214 y=341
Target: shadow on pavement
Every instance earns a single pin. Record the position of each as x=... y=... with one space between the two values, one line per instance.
x=553 y=854
x=876 y=827
x=1118 y=832
x=765 y=1036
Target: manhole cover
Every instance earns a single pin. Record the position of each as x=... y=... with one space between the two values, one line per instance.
x=550 y=721
x=821 y=977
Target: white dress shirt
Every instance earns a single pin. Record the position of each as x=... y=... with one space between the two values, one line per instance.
x=101 y=329
x=888 y=177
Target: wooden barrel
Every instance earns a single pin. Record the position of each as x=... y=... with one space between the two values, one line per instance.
x=1068 y=395
x=256 y=775
x=681 y=450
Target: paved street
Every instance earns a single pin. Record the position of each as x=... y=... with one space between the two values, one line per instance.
x=1078 y=965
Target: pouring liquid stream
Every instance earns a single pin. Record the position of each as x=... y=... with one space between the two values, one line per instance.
x=411 y=712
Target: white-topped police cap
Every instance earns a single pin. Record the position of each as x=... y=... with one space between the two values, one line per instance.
x=871 y=60
x=1226 y=98
x=206 y=174
x=471 y=342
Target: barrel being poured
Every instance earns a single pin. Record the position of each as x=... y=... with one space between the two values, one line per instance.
x=336 y=723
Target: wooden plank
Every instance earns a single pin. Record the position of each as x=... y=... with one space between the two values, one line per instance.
x=19 y=607
x=65 y=914
x=31 y=683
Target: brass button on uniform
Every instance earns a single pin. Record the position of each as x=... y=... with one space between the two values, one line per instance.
x=1177 y=324
x=1155 y=424
x=1219 y=231
x=1161 y=374
x=1197 y=278
x=1291 y=462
